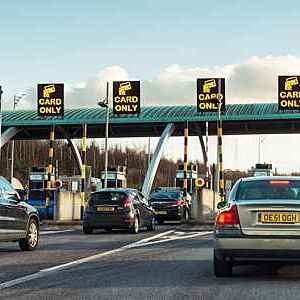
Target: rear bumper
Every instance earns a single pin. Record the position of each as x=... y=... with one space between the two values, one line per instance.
x=99 y=221
x=173 y=214
x=262 y=249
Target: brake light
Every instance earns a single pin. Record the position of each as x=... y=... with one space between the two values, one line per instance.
x=127 y=202
x=279 y=182
x=177 y=203
x=228 y=216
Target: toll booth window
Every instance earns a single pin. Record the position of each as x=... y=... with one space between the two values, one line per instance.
x=36 y=195
x=35 y=185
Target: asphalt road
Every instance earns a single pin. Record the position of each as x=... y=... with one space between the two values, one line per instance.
x=174 y=265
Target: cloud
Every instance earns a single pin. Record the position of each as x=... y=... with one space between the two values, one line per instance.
x=254 y=80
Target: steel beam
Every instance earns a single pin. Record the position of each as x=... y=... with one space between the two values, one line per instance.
x=203 y=149
x=75 y=153
x=149 y=178
x=8 y=134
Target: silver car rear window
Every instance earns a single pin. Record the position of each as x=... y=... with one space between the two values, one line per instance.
x=269 y=189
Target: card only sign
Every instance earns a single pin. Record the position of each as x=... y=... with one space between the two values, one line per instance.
x=50 y=99
x=289 y=92
x=126 y=97
x=210 y=91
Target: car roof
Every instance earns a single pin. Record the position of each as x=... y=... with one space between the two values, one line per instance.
x=120 y=190
x=259 y=178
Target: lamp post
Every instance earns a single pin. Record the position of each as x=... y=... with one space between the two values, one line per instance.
x=17 y=99
x=260 y=141
x=105 y=104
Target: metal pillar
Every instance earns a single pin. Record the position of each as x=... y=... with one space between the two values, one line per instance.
x=83 y=167
x=106 y=134
x=204 y=149
x=185 y=168
x=76 y=154
x=220 y=156
x=149 y=178
x=8 y=134
x=50 y=156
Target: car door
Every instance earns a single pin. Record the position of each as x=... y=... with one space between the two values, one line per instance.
x=139 y=206
x=15 y=210
x=149 y=212
x=3 y=219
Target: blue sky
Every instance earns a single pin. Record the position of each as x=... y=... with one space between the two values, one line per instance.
x=167 y=44
x=69 y=40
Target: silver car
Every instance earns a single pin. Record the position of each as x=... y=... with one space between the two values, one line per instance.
x=260 y=222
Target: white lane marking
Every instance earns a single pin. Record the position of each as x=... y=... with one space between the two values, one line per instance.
x=44 y=232
x=46 y=272
x=172 y=238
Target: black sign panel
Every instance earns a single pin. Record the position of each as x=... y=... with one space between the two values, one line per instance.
x=50 y=99
x=126 y=97
x=289 y=92
x=210 y=92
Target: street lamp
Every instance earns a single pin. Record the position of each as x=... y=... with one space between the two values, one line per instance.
x=105 y=105
x=17 y=99
x=260 y=141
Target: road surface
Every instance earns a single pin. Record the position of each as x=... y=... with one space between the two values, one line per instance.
x=176 y=264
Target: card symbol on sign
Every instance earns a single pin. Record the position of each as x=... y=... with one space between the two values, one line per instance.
x=290 y=82
x=124 y=87
x=47 y=90
x=208 y=84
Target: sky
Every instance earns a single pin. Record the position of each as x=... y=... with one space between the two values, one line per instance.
x=165 y=44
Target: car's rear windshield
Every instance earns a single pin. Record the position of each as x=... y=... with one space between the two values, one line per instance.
x=109 y=198
x=165 y=196
x=269 y=189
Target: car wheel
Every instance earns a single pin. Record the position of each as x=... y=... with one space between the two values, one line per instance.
x=108 y=229
x=136 y=225
x=160 y=222
x=186 y=214
x=87 y=230
x=151 y=227
x=222 y=268
x=30 y=242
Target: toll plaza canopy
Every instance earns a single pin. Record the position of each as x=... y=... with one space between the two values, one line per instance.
x=238 y=119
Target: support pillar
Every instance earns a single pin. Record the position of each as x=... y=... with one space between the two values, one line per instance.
x=83 y=167
x=149 y=178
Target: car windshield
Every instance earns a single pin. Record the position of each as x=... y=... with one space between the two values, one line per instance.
x=269 y=189
x=165 y=196
x=109 y=198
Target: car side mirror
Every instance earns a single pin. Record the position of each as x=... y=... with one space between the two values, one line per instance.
x=221 y=204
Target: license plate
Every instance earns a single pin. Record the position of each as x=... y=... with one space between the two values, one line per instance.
x=105 y=208
x=160 y=212
x=278 y=217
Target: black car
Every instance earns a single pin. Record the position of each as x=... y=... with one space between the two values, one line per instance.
x=118 y=208
x=19 y=221
x=169 y=205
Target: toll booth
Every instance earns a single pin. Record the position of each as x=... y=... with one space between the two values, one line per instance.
x=116 y=177
x=38 y=177
x=192 y=175
x=38 y=192
x=261 y=170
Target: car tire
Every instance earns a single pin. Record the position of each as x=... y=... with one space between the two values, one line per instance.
x=151 y=227
x=31 y=241
x=87 y=230
x=136 y=226
x=222 y=268
x=186 y=214
x=160 y=222
x=108 y=229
